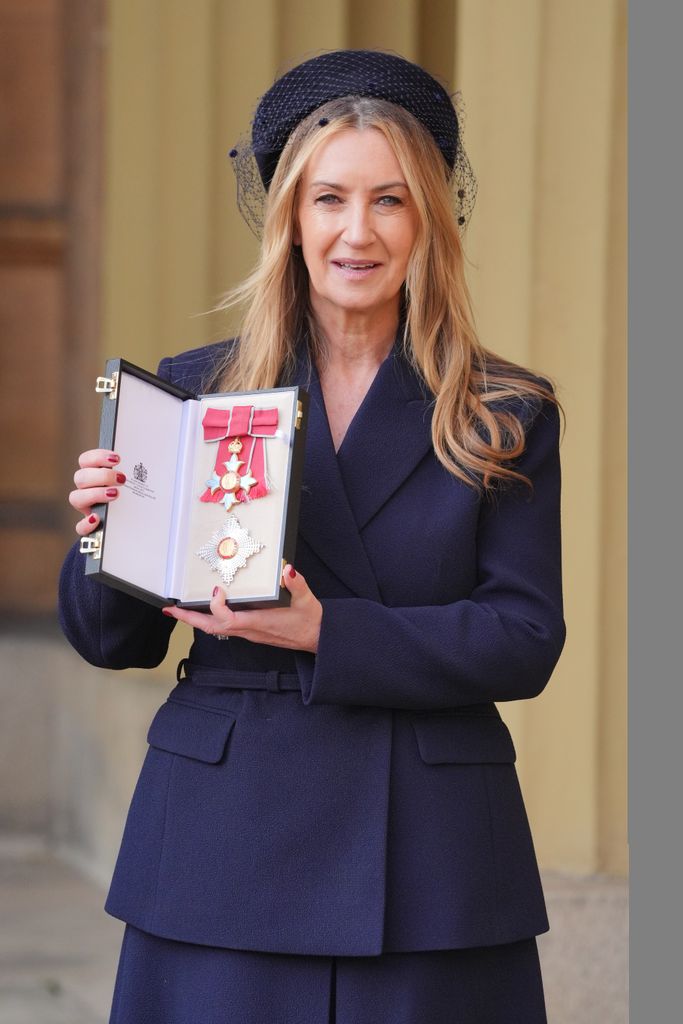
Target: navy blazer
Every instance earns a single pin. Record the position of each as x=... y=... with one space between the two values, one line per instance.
x=377 y=808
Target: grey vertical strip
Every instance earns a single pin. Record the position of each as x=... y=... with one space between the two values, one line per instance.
x=655 y=509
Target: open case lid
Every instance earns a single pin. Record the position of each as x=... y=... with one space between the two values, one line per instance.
x=152 y=536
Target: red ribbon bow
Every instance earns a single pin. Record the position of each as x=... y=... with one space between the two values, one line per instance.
x=252 y=426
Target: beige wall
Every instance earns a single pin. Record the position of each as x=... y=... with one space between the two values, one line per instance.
x=544 y=89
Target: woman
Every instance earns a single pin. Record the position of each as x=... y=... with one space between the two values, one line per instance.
x=328 y=824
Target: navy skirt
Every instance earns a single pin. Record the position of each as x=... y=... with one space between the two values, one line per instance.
x=160 y=981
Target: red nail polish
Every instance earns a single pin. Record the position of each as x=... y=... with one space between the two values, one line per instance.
x=120 y=478
x=111 y=492
x=113 y=458
x=215 y=591
x=292 y=572
x=165 y=611
x=92 y=518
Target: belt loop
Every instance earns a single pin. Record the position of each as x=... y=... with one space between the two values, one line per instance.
x=272 y=683
x=182 y=664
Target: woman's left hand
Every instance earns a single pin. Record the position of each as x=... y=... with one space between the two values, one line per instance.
x=296 y=627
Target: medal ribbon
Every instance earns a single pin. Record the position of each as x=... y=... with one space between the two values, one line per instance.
x=252 y=426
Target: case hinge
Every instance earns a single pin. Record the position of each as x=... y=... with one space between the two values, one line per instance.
x=108 y=385
x=299 y=415
x=92 y=544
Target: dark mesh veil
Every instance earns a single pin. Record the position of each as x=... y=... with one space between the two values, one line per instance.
x=363 y=73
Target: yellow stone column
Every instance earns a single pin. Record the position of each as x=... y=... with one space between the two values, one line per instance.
x=543 y=85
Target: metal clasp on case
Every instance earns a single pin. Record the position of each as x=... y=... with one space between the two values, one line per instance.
x=92 y=544
x=108 y=385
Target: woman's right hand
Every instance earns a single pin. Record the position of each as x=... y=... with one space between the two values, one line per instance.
x=97 y=481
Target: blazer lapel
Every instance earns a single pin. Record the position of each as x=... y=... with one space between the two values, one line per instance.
x=325 y=517
x=389 y=435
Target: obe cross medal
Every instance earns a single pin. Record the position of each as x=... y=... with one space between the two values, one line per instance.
x=232 y=480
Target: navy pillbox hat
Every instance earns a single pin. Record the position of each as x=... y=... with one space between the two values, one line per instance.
x=339 y=73
x=333 y=75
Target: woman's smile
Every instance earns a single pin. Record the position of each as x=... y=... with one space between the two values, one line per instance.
x=353 y=271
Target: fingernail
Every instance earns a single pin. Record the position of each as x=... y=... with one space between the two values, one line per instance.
x=165 y=611
x=292 y=572
x=111 y=492
x=92 y=518
x=215 y=591
x=113 y=458
x=120 y=478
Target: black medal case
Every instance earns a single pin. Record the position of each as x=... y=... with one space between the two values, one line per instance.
x=211 y=493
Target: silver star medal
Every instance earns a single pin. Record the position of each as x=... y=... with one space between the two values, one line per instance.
x=228 y=549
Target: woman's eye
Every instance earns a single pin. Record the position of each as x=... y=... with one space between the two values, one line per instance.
x=389 y=201
x=328 y=199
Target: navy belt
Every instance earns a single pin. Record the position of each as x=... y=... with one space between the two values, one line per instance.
x=235 y=679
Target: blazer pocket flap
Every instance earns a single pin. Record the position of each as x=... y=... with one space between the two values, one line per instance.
x=463 y=739
x=191 y=731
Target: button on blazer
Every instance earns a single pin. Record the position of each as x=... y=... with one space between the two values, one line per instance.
x=377 y=808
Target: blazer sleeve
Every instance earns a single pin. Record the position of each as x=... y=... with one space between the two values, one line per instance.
x=108 y=628
x=500 y=643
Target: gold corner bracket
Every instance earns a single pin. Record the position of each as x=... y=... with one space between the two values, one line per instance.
x=108 y=385
x=92 y=544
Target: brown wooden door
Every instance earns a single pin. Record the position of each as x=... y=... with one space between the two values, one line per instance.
x=50 y=199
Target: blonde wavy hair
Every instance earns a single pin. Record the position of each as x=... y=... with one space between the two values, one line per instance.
x=469 y=383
